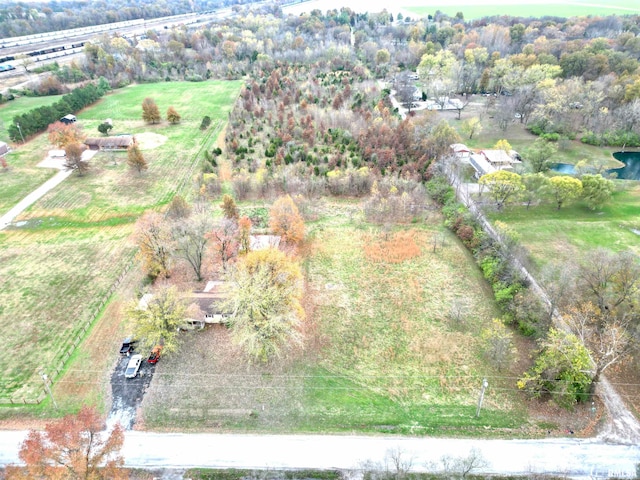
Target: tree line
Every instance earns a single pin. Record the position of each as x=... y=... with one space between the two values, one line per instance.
x=38 y=119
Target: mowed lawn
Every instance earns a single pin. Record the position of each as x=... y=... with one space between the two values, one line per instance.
x=474 y=9
x=57 y=268
x=569 y=234
x=23 y=175
x=381 y=354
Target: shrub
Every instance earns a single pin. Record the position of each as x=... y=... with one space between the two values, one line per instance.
x=206 y=121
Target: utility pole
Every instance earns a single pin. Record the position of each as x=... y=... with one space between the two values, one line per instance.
x=20 y=130
x=485 y=384
x=46 y=385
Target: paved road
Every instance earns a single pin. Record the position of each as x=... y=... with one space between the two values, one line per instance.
x=569 y=457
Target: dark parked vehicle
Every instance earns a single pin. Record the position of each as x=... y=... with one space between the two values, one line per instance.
x=128 y=346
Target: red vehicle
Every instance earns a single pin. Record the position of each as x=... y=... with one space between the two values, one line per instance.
x=155 y=354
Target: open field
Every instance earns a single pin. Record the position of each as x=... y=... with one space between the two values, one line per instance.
x=473 y=9
x=56 y=270
x=381 y=354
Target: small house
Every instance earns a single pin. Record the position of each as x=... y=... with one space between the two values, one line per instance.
x=119 y=142
x=460 y=150
x=68 y=119
x=488 y=161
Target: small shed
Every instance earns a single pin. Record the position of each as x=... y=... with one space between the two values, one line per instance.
x=67 y=119
x=4 y=149
x=120 y=142
x=460 y=150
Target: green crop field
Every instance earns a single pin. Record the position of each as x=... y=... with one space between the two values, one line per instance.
x=473 y=9
x=57 y=268
x=381 y=353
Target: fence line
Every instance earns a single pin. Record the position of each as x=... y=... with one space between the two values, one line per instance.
x=66 y=354
x=68 y=351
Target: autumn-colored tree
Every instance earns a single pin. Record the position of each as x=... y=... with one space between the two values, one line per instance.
x=264 y=301
x=561 y=368
x=62 y=134
x=150 y=111
x=563 y=189
x=229 y=207
x=158 y=320
x=155 y=242
x=538 y=155
x=596 y=190
x=244 y=235
x=498 y=344
x=285 y=220
x=73 y=158
x=172 y=116
x=471 y=126
x=74 y=447
x=135 y=159
x=225 y=240
x=178 y=208
x=604 y=335
x=503 y=145
x=503 y=185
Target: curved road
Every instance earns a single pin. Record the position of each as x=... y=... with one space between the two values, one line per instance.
x=576 y=458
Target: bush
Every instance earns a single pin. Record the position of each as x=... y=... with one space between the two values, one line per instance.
x=206 y=121
x=552 y=137
x=440 y=190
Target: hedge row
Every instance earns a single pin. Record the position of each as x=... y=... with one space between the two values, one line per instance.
x=38 y=119
x=491 y=257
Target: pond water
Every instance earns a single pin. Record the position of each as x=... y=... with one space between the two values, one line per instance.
x=630 y=171
x=566 y=168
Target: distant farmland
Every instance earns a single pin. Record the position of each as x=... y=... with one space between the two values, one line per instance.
x=475 y=9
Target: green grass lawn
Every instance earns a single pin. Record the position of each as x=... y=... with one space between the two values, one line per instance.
x=57 y=268
x=19 y=106
x=567 y=235
x=473 y=9
x=23 y=175
x=380 y=354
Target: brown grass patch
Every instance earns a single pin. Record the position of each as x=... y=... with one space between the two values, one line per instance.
x=400 y=247
x=149 y=140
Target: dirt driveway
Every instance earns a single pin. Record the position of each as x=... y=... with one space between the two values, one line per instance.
x=127 y=393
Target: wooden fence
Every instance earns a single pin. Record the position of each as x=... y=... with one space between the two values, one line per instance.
x=60 y=361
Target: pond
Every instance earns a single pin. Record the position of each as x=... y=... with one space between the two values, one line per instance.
x=630 y=171
x=566 y=168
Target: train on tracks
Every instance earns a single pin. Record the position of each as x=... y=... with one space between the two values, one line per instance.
x=44 y=51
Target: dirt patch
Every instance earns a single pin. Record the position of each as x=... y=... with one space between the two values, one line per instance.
x=150 y=140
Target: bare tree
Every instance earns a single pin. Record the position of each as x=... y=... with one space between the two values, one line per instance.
x=460 y=467
x=605 y=336
x=610 y=278
x=191 y=237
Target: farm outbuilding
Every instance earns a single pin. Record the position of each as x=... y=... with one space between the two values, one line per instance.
x=67 y=119
x=120 y=142
x=4 y=149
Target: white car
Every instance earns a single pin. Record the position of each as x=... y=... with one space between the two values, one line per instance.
x=133 y=366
